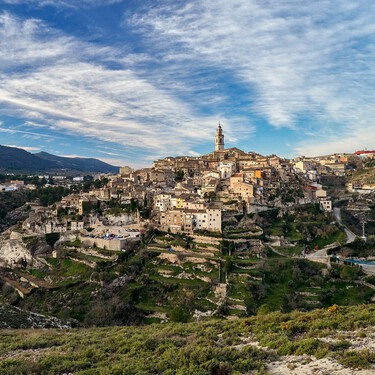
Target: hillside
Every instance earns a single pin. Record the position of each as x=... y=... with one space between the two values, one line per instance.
x=17 y=160
x=173 y=278
x=13 y=317
x=78 y=164
x=160 y=276
x=365 y=176
x=337 y=340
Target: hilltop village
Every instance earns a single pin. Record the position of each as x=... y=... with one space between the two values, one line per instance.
x=222 y=234
x=187 y=194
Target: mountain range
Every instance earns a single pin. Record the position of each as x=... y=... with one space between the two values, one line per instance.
x=14 y=159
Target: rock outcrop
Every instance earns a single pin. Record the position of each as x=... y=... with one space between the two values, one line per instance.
x=18 y=251
x=14 y=253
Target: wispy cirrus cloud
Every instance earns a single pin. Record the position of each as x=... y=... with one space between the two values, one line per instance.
x=306 y=66
x=303 y=71
x=72 y=89
x=25 y=133
x=64 y=3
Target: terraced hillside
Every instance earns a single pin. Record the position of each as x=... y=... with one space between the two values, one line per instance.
x=175 y=277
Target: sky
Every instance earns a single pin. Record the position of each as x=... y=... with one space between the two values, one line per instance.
x=131 y=81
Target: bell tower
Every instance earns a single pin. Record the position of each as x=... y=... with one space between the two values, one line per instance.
x=219 y=139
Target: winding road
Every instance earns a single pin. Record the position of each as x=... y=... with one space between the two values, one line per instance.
x=321 y=255
x=350 y=236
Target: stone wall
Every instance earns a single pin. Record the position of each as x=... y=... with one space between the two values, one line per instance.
x=115 y=244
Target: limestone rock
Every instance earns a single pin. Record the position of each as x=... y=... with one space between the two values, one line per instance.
x=14 y=253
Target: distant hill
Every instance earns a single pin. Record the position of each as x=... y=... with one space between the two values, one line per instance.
x=14 y=159
x=78 y=164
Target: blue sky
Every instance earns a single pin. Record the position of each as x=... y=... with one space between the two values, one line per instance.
x=132 y=81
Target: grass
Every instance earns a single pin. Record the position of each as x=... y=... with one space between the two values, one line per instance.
x=174 y=280
x=320 y=242
x=291 y=234
x=39 y=273
x=344 y=293
x=79 y=255
x=290 y=250
x=150 y=307
x=69 y=268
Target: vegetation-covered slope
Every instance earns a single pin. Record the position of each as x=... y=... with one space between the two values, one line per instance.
x=14 y=159
x=365 y=176
x=101 y=287
x=243 y=346
x=77 y=164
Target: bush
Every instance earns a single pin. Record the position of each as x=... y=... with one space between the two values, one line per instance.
x=179 y=314
x=358 y=360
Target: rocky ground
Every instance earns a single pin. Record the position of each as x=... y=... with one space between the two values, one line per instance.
x=13 y=317
x=309 y=365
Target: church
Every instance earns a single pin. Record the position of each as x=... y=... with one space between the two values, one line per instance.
x=221 y=153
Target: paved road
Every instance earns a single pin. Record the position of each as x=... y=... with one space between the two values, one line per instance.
x=337 y=212
x=350 y=236
x=321 y=255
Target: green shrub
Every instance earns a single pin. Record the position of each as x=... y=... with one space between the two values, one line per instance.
x=358 y=360
x=179 y=314
x=339 y=345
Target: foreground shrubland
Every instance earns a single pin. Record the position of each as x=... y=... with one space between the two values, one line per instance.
x=210 y=347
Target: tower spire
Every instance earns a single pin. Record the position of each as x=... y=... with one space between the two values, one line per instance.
x=219 y=139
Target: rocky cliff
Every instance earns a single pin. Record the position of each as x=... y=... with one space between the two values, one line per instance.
x=18 y=251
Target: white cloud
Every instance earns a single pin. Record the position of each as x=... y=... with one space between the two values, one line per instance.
x=64 y=3
x=25 y=43
x=307 y=66
x=26 y=133
x=71 y=92
x=302 y=62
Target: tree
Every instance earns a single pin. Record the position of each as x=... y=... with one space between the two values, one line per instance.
x=228 y=264
x=358 y=246
x=97 y=184
x=133 y=205
x=188 y=242
x=179 y=314
x=210 y=196
x=179 y=175
x=350 y=272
